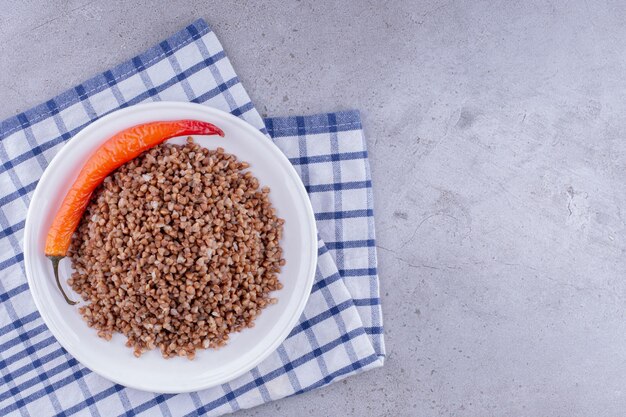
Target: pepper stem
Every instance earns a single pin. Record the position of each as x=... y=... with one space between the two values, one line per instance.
x=55 y=266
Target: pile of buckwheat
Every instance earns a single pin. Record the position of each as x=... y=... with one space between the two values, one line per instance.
x=177 y=249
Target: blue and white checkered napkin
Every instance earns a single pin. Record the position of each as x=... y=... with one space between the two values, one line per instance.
x=340 y=332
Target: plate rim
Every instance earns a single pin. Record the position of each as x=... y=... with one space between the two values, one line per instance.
x=246 y=366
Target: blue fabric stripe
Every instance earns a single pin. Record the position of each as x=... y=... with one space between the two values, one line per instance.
x=7 y=295
x=351 y=185
x=366 y=301
x=358 y=272
x=351 y=244
x=338 y=215
x=16 y=341
x=315 y=124
x=374 y=330
x=22 y=322
x=334 y=157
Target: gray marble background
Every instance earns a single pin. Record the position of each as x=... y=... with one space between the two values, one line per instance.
x=497 y=141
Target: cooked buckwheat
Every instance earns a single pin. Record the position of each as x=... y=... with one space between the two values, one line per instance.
x=177 y=249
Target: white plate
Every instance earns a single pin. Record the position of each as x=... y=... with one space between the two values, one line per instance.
x=244 y=350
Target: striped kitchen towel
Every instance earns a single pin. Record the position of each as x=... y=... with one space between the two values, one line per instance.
x=340 y=332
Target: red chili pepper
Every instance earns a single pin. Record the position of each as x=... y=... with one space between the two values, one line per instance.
x=116 y=151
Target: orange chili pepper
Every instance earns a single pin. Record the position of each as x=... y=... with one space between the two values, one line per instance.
x=116 y=151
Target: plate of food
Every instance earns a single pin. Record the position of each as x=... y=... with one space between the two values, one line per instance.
x=170 y=247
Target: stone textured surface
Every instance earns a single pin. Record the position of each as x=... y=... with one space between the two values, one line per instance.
x=497 y=134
